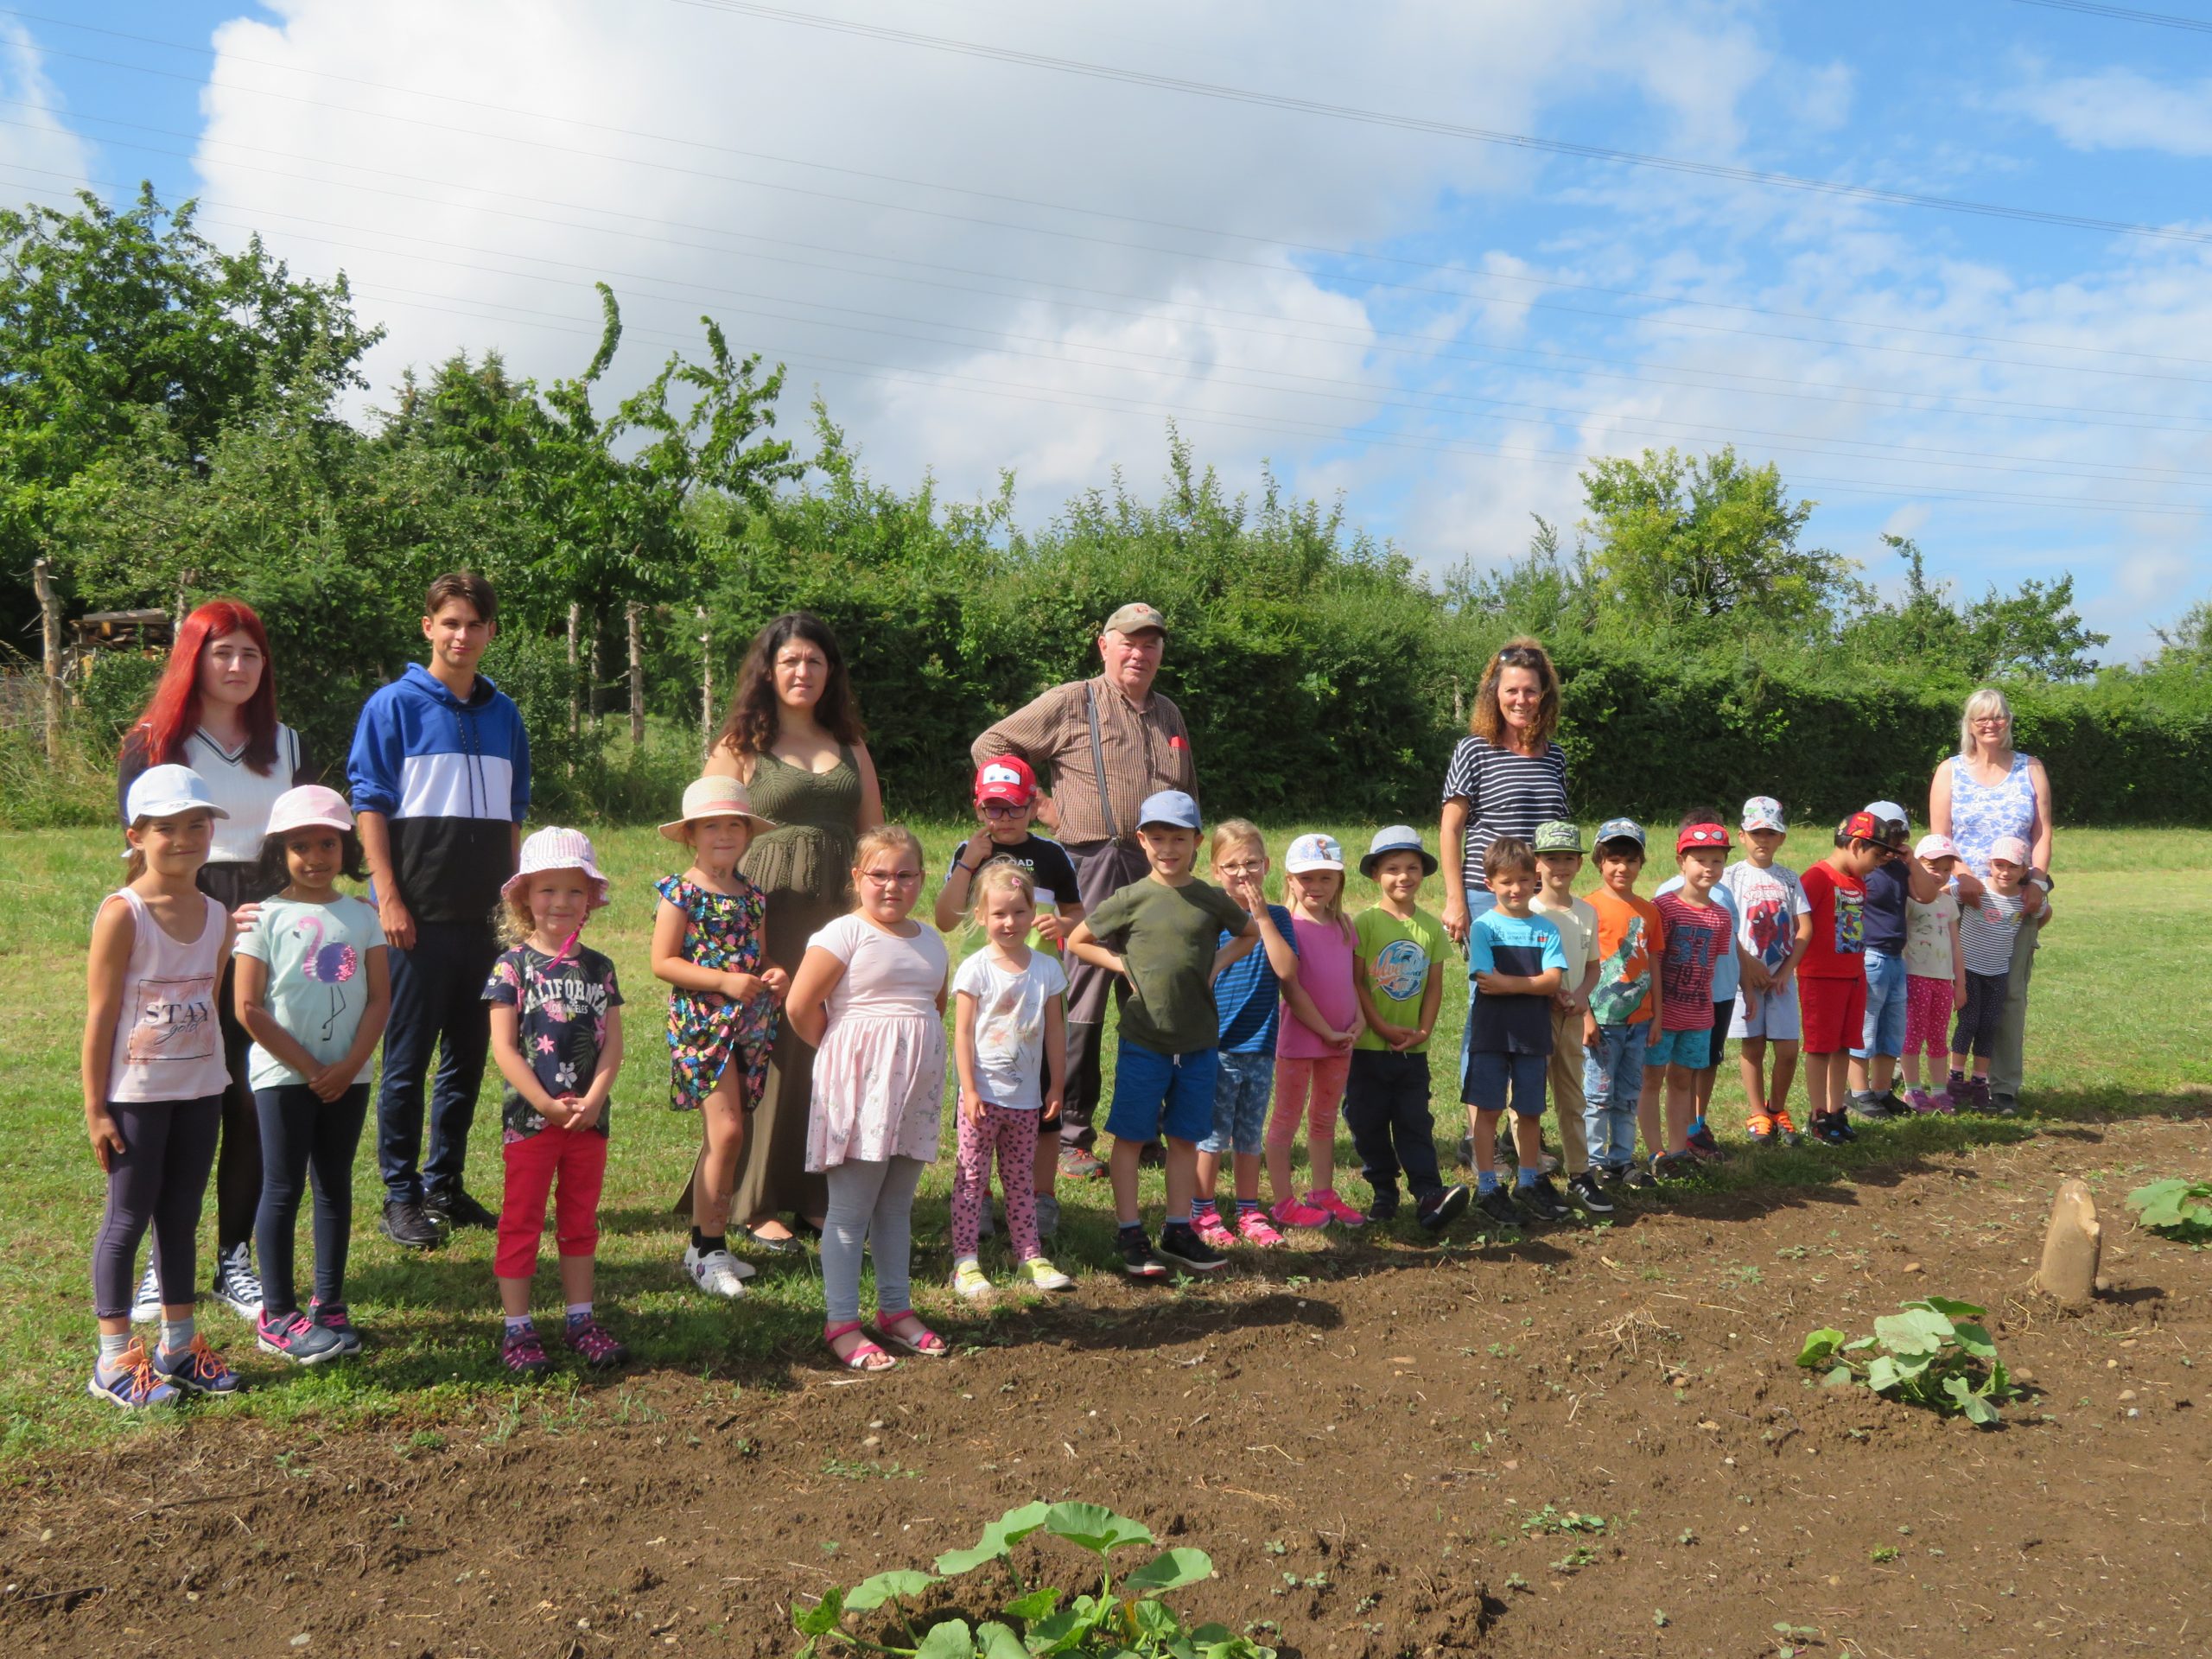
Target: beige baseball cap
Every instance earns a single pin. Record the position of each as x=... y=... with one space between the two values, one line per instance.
x=1134 y=617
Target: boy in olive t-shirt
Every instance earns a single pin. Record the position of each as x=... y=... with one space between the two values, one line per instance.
x=1167 y=930
x=1397 y=945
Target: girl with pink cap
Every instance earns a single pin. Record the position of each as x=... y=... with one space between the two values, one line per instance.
x=314 y=989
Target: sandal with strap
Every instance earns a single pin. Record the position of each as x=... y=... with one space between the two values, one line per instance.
x=920 y=1340
x=865 y=1354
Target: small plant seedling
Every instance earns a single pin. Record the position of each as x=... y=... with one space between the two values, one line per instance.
x=1658 y=1618
x=1580 y=1555
x=1515 y=1581
x=1688 y=1537
x=1935 y=1353
x=2175 y=1209
x=1552 y=1519
x=1276 y=1547
x=1883 y=1554
x=1123 y=1618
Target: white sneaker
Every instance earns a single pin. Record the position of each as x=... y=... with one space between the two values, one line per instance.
x=717 y=1272
x=147 y=1307
x=237 y=1286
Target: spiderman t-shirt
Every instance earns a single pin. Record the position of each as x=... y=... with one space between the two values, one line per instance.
x=561 y=1004
x=318 y=961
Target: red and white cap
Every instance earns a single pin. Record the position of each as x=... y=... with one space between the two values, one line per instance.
x=559 y=849
x=1709 y=837
x=1006 y=777
x=309 y=804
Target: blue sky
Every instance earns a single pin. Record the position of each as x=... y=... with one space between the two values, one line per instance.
x=984 y=264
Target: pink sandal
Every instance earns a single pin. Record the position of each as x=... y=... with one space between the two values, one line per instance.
x=922 y=1340
x=865 y=1354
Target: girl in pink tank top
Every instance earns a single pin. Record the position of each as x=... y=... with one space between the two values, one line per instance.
x=154 y=1076
x=1313 y=1048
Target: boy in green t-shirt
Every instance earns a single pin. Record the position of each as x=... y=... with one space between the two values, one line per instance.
x=1165 y=929
x=1398 y=945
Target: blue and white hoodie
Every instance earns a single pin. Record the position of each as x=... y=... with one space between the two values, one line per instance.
x=451 y=778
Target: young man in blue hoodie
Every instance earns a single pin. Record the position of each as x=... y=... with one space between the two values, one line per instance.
x=440 y=769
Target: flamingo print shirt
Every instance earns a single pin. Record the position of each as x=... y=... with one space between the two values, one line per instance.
x=561 y=1004
x=317 y=956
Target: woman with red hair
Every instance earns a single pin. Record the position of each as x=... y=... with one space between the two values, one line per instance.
x=214 y=710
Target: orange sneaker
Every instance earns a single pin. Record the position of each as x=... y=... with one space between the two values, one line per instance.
x=1760 y=1128
x=1783 y=1127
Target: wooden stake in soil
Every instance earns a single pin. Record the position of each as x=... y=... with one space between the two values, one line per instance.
x=49 y=611
x=2072 y=1245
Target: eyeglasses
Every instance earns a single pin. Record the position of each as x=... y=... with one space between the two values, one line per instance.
x=890 y=878
x=1003 y=809
x=1993 y=720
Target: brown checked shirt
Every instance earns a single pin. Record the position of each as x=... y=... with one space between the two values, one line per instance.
x=1146 y=749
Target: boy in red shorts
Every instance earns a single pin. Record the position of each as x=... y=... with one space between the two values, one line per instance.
x=1832 y=972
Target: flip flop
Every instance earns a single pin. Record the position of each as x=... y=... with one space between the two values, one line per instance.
x=925 y=1342
x=768 y=1242
x=865 y=1353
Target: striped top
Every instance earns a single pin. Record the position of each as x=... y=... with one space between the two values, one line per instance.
x=1507 y=794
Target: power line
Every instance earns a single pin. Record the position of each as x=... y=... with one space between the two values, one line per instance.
x=1444 y=128
x=1323 y=250
x=1358 y=391
x=2123 y=13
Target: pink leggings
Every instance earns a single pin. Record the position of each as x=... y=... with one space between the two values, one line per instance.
x=1324 y=1080
x=1013 y=1135
x=1926 y=1019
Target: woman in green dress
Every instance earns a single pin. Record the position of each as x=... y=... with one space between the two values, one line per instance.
x=793 y=738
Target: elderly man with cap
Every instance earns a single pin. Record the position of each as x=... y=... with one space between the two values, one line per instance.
x=1105 y=744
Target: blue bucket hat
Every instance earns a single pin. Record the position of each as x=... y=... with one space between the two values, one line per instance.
x=1396 y=838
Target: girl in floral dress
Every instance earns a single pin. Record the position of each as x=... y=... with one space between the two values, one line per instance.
x=722 y=1009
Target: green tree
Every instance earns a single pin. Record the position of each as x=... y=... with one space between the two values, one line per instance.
x=119 y=330
x=1679 y=541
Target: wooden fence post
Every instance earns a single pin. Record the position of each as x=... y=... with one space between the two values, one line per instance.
x=706 y=678
x=49 y=610
x=634 y=613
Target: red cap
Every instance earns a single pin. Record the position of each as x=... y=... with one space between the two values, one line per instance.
x=1006 y=777
x=1712 y=836
x=1862 y=826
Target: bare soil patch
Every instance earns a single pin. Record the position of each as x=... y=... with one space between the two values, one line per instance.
x=1387 y=1450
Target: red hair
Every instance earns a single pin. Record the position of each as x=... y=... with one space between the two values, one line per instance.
x=173 y=712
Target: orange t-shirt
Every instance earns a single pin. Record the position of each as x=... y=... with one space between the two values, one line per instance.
x=1630 y=938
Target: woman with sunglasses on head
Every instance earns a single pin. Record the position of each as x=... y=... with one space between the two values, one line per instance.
x=793 y=738
x=214 y=710
x=1987 y=792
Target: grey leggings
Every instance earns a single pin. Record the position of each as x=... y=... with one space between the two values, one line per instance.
x=159 y=1178
x=870 y=1203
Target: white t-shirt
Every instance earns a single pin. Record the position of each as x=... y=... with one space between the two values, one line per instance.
x=1767 y=904
x=1010 y=1011
x=1577 y=934
x=1928 y=937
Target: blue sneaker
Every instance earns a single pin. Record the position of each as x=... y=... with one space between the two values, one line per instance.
x=134 y=1383
x=199 y=1367
x=295 y=1336
x=332 y=1318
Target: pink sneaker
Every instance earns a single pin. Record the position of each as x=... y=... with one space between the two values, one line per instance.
x=1291 y=1213
x=1920 y=1100
x=1207 y=1223
x=1326 y=1200
x=1253 y=1228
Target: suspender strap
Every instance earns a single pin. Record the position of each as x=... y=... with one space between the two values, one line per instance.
x=1098 y=760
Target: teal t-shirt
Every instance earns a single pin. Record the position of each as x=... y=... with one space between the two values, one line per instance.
x=1397 y=958
x=318 y=977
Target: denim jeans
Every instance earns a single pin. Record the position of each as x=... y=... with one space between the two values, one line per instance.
x=1386 y=1108
x=1241 y=1090
x=437 y=1003
x=1883 y=1030
x=1612 y=1081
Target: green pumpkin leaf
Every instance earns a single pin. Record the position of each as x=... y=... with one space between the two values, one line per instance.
x=1095 y=1527
x=949 y=1640
x=1170 y=1570
x=874 y=1593
x=1836 y=1378
x=1036 y=1605
x=1916 y=1330
x=1882 y=1374
x=996 y=1641
x=999 y=1537
x=1974 y=1339
x=822 y=1617
x=1951 y=1309
x=1819 y=1346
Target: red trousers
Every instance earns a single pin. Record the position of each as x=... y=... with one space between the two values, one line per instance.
x=578 y=1157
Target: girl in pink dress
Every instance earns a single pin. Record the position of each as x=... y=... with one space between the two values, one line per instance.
x=870 y=993
x=1314 y=1050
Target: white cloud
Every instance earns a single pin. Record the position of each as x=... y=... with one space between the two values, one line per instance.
x=2119 y=109
x=37 y=149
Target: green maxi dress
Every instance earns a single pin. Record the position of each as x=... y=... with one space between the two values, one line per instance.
x=801 y=866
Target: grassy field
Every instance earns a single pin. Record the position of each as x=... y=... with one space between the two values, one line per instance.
x=2116 y=1002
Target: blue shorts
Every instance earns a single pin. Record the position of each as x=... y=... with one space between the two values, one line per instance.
x=1883 y=1032
x=1685 y=1048
x=1766 y=1016
x=1494 y=1078
x=1240 y=1103
x=1159 y=1094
